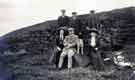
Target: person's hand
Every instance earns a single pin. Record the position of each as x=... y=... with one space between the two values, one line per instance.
x=59 y=49
x=96 y=49
x=80 y=33
x=87 y=28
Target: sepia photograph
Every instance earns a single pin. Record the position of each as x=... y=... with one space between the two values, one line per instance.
x=67 y=39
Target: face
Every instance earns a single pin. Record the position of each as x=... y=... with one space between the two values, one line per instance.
x=63 y=12
x=74 y=15
x=71 y=32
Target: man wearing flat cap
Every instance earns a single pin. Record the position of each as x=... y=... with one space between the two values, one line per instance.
x=69 y=49
x=63 y=23
x=63 y=20
x=92 y=21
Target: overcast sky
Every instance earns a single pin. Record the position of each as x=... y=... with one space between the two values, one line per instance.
x=16 y=14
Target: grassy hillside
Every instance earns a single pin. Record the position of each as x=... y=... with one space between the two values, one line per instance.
x=39 y=41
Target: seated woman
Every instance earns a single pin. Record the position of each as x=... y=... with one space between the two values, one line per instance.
x=95 y=51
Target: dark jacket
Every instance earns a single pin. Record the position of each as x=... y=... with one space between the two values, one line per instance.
x=92 y=21
x=76 y=23
x=63 y=21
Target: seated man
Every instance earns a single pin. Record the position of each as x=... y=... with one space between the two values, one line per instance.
x=69 y=49
x=80 y=46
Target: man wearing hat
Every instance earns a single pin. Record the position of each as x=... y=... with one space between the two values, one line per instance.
x=92 y=21
x=63 y=20
x=69 y=49
x=76 y=23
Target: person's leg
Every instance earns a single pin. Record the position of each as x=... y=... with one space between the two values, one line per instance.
x=62 y=35
x=70 y=54
x=62 y=56
x=82 y=46
x=100 y=61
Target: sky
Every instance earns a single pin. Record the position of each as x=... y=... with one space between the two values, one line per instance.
x=16 y=14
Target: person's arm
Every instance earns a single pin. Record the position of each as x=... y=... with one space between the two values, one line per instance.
x=59 y=21
x=68 y=21
x=65 y=41
x=80 y=25
x=86 y=21
x=97 y=22
x=87 y=24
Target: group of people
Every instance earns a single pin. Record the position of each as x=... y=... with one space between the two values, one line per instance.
x=71 y=40
x=75 y=22
x=71 y=34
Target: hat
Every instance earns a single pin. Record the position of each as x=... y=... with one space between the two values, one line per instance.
x=93 y=30
x=74 y=12
x=92 y=11
x=118 y=53
x=70 y=29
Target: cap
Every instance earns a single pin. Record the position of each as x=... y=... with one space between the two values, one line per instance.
x=92 y=11
x=74 y=13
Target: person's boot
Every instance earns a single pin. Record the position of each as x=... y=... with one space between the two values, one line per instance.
x=59 y=68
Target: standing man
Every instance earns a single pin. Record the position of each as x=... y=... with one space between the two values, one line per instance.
x=69 y=49
x=92 y=21
x=75 y=22
x=63 y=22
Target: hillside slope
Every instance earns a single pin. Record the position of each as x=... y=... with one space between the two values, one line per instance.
x=39 y=40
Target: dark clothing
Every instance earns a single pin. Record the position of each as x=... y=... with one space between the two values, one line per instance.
x=63 y=21
x=76 y=23
x=96 y=59
x=95 y=55
x=132 y=77
x=78 y=26
x=54 y=56
x=92 y=21
x=59 y=43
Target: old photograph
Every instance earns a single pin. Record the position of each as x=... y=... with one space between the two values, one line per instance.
x=67 y=40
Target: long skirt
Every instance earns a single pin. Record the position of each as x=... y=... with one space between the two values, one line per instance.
x=96 y=60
